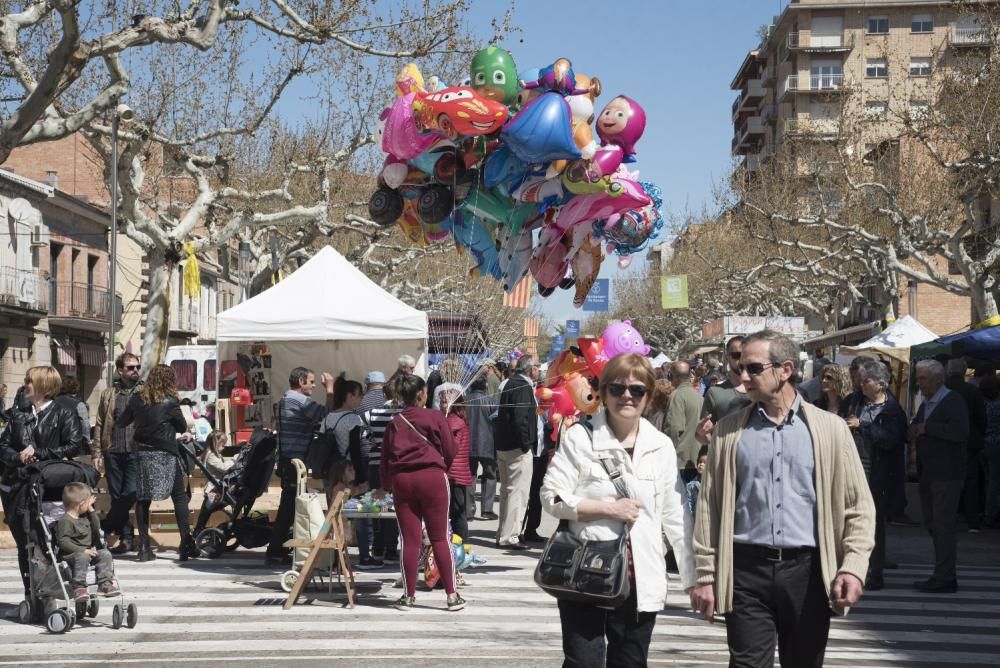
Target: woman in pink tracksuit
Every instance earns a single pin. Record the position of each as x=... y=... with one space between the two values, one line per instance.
x=417 y=450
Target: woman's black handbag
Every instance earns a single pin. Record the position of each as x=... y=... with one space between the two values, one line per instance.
x=594 y=572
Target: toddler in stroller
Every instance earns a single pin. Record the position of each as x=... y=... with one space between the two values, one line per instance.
x=78 y=537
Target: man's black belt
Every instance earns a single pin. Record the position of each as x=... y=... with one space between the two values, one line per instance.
x=767 y=553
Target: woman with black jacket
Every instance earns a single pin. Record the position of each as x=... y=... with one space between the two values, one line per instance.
x=43 y=432
x=156 y=412
x=879 y=428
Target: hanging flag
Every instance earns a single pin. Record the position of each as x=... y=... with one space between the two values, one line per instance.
x=674 y=291
x=597 y=298
x=520 y=295
x=530 y=327
x=192 y=275
x=572 y=329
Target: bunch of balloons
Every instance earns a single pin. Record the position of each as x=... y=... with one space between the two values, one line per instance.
x=510 y=168
x=569 y=390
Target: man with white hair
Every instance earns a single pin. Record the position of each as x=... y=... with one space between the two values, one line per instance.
x=940 y=430
x=407 y=364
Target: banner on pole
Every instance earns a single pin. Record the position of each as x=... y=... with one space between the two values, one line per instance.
x=572 y=329
x=597 y=300
x=674 y=291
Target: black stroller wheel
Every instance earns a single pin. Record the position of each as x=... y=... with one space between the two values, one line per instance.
x=117 y=616
x=59 y=621
x=81 y=609
x=211 y=542
x=131 y=615
x=93 y=607
x=25 y=612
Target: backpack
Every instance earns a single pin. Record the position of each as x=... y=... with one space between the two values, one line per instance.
x=323 y=451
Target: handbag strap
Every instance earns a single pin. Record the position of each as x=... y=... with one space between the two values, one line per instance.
x=415 y=430
x=614 y=473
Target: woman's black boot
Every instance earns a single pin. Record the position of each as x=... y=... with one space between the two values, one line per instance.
x=145 y=551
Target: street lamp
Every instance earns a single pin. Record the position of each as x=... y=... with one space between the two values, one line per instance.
x=912 y=298
x=244 y=269
x=122 y=113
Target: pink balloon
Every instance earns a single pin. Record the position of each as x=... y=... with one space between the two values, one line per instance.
x=401 y=138
x=601 y=205
x=550 y=260
x=624 y=261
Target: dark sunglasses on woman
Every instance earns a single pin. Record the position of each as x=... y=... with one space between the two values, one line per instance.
x=618 y=390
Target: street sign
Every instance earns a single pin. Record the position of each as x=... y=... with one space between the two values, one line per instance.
x=572 y=329
x=598 y=300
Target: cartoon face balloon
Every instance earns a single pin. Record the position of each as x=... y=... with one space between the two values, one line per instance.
x=621 y=337
x=622 y=122
x=494 y=75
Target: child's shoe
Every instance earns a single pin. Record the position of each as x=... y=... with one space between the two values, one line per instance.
x=460 y=580
x=109 y=588
x=81 y=594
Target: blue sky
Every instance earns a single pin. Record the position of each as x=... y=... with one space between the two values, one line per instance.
x=675 y=57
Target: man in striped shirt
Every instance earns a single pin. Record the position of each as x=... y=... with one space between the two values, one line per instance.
x=386 y=532
x=298 y=417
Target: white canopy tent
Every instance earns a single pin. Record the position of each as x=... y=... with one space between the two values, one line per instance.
x=895 y=341
x=327 y=316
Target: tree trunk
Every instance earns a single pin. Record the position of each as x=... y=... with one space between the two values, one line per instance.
x=154 y=340
x=984 y=303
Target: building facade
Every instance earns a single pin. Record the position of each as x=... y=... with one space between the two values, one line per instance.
x=880 y=52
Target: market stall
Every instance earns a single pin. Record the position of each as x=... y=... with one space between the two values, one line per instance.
x=327 y=316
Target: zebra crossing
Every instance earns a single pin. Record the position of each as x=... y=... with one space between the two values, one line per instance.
x=228 y=611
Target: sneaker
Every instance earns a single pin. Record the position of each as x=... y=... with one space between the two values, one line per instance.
x=405 y=602
x=81 y=595
x=391 y=557
x=490 y=516
x=109 y=588
x=455 y=603
x=369 y=564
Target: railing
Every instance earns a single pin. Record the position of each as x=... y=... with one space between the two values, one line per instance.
x=814 y=83
x=756 y=160
x=820 y=41
x=969 y=36
x=81 y=300
x=810 y=126
x=24 y=288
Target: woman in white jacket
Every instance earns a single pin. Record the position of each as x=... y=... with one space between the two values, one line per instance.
x=577 y=488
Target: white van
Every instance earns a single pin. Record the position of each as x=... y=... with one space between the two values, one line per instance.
x=195 y=368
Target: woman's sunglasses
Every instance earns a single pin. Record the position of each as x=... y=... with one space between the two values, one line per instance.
x=618 y=390
x=828 y=378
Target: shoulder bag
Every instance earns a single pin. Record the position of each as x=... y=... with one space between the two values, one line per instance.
x=594 y=572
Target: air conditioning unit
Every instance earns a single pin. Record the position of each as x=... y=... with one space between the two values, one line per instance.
x=39 y=235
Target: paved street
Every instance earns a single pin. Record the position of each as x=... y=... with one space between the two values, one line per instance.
x=229 y=611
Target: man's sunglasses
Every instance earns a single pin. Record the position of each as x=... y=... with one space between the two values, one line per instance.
x=132 y=367
x=735 y=354
x=755 y=368
x=618 y=390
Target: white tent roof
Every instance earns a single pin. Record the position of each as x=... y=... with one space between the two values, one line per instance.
x=326 y=299
x=897 y=339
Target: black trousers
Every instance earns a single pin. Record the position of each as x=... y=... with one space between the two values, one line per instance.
x=282 y=529
x=593 y=637
x=939 y=504
x=972 y=491
x=786 y=599
x=456 y=511
x=533 y=518
x=122 y=470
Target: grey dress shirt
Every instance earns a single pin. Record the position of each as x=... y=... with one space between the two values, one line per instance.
x=775 y=488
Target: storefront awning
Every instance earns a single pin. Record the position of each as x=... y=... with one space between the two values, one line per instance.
x=93 y=354
x=845 y=336
x=65 y=352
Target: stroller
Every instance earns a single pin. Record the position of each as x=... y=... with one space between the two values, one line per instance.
x=37 y=500
x=238 y=489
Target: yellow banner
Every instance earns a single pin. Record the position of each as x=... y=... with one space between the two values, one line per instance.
x=674 y=291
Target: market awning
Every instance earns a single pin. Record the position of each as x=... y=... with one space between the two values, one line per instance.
x=848 y=335
x=978 y=343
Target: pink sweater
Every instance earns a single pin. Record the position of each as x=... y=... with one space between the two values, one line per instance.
x=458 y=471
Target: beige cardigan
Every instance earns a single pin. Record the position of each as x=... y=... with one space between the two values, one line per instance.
x=845 y=512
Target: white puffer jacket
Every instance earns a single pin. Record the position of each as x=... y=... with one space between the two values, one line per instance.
x=576 y=473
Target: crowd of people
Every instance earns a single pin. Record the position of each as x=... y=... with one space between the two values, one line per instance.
x=773 y=493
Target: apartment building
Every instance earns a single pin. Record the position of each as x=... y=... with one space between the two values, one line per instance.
x=72 y=165
x=824 y=63
x=55 y=304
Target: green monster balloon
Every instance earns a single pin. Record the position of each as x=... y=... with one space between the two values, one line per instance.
x=493 y=75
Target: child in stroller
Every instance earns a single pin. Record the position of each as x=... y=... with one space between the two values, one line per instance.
x=78 y=537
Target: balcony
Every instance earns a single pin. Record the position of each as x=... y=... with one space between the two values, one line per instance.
x=25 y=290
x=81 y=305
x=768 y=74
x=769 y=114
x=812 y=127
x=747 y=133
x=750 y=95
x=757 y=160
x=820 y=43
x=186 y=320
x=968 y=36
x=814 y=83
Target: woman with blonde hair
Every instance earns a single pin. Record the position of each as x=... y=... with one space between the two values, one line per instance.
x=46 y=431
x=837 y=386
x=162 y=469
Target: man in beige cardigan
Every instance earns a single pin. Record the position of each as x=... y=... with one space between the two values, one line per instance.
x=785 y=520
